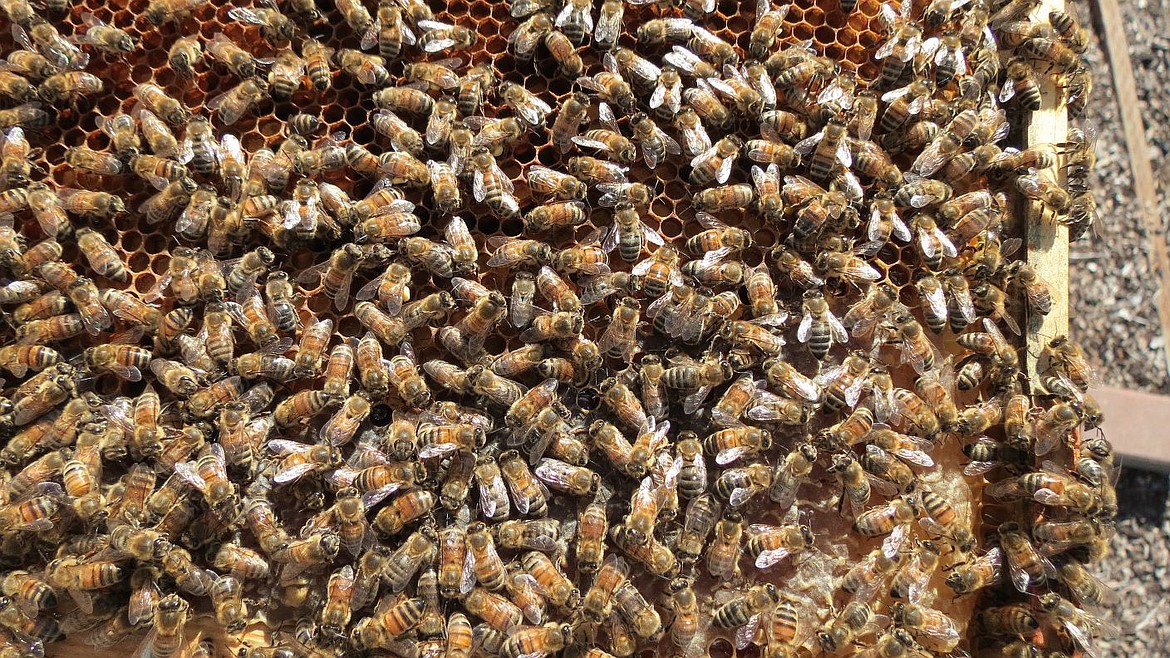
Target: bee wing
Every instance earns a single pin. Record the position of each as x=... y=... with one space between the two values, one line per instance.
x=838 y=329
x=740 y=496
x=948 y=247
x=693 y=402
x=745 y=633
x=892 y=544
x=94 y=319
x=705 y=155
x=844 y=155
x=245 y=15
x=927 y=245
x=767 y=559
x=228 y=113
x=671 y=145
x=1016 y=571
x=370 y=38
x=724 y=172
x=805 y=325
x=806 y=146
x=914 y=456
x=186 y=472
x=709 y=221
x=651 y=235
x=372 y=498
x=765 y=179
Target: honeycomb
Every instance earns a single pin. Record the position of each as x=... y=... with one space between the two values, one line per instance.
x=849 y=39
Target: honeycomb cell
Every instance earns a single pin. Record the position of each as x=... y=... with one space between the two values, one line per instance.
x=138 y=261
x=899 y=275
x=354 y=116
x=155 y=243
x=107 y=385
x=511 y=227
x=143 y=73
x=348 y=326
x=144 y=282
x=130 y=240
x=479 y=11
x=868 y=39
x=802 y=31
x=859 y=22
x=253 y=141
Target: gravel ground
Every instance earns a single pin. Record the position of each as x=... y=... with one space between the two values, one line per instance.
x=1113 y=316
x=1110 y=284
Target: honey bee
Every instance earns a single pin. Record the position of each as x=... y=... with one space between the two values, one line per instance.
x=28 y=115
x=980 y=572
x=390 y=621
x=208 y=474
x=156 y=100
x=1026 y=565
x=819 y=327
x=234 y=103
x=790 y=473
x=933 y=629
x=769 y=21
x=1080 y=625
x=743 y=612
x=1012 y=619
x=546 y=639
x=284 y=78
x=620 y=337
x=715 y=163
x=239 y=61
x=892 y=519
x=126 y=361
x=528 y=494
x=1086 y=588
x=767 y=545
x=564 y=53
x=161 y=11
x=274 y=26
x=723 y=554
x=438 y=37
x=123 y=133
x=826 y=149
x=46 y=208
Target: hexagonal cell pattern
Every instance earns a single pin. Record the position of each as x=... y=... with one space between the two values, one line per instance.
x=829 y=224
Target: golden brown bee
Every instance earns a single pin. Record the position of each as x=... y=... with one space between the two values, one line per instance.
x=239 y=61
x=853 y=620
x=31 y=593
x=826 y=150
x=741 y=609
x=227 y=600
x=156 y=100
x=126 y=361
x=388 y=623
x=564 y=52
x=714 y=165
x=28 y=115
x=101 y=256
x=549 y=638
x=123 y=132
x=982 y=571
x=68 y=87
x=234 y=103
x=931 y=628
x=183 y=55
x=46 y=208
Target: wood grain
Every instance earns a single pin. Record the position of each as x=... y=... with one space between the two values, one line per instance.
x=1047 y=239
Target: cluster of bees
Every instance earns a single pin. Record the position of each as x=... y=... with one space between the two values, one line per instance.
x=562 y=437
